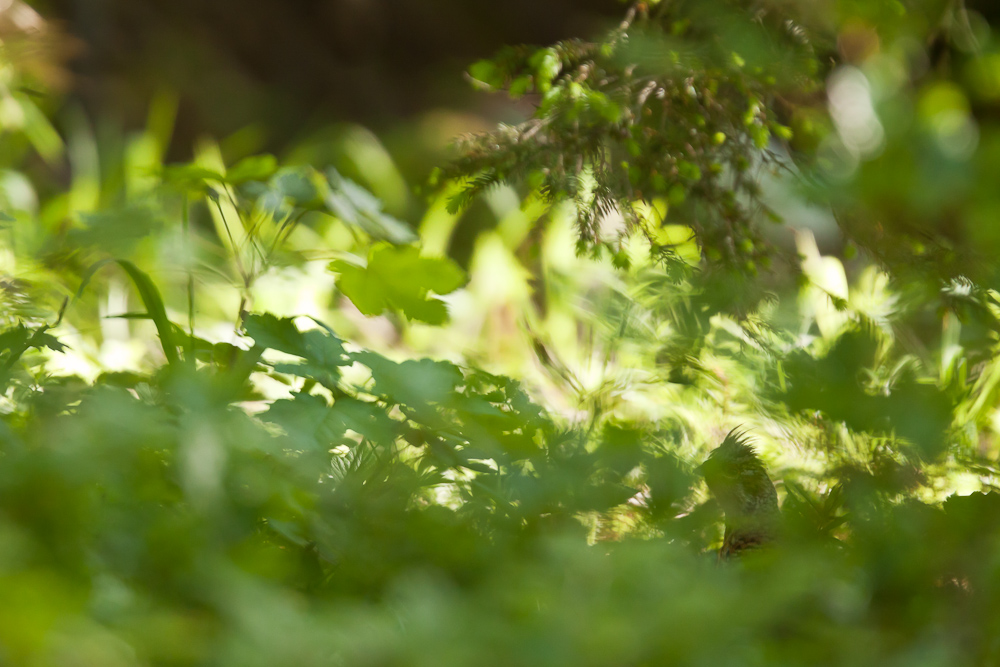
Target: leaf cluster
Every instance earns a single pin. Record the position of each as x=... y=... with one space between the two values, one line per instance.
x=665 y=108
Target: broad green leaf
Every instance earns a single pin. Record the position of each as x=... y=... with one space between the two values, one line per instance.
x=39 y=130
x=323 y=353
x=295 y=184
x=116 y=230
x=311 y=420
x=412 y=383
x=17 y=340
x=254 y=168
x=367 y=295
x=399 y=278
x=357 y=207
x=277 y=333
x=191 y=177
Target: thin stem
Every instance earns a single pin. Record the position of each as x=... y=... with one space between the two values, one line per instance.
x=232 y=241
x=186 y=225
x=250 y=230
x=287 y=227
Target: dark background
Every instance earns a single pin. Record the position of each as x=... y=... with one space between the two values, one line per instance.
x=294 y=66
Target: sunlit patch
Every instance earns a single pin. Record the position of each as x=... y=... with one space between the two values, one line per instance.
x=853 y=112
x=944 y=111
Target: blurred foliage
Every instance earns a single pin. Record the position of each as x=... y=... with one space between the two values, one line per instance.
x=269 y=409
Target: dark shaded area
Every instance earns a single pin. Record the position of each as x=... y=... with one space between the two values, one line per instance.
x=295 y=65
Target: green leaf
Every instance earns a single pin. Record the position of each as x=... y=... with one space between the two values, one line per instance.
x=676 y=195
x=41 y=339
x=323 y=352
x=412 y=383
x=151 y=299
x=547 y=66
x=17 y=340
x=782 y=131
x=116 y=230
x=689 y=170
x=191 y=177
x=760 y=135
x=487 y=72
x=254 y=168
x=602 y=104
x=399 y=278
x=520 y=86
x=308 y=419
x=357 y=207
x=295 y=184
x=39 y=130
x=273 y=332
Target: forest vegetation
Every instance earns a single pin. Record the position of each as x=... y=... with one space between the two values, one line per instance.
x=313 y=361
